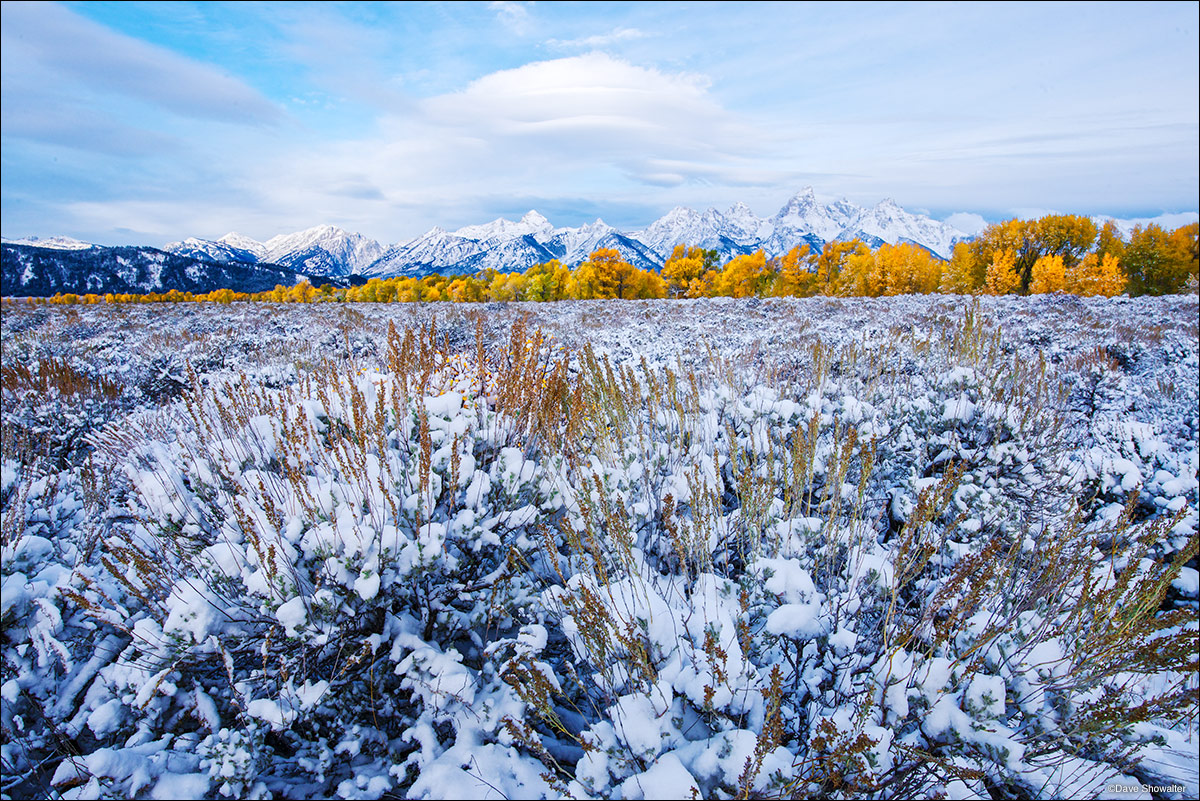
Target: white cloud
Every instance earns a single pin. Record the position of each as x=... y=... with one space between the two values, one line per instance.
x=592 y=105
x=615 y=36
x=514 y=16
x=966 y=222
x=584 y=126
x=46 y=45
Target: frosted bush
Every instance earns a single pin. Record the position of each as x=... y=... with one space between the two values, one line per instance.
x=905 y=565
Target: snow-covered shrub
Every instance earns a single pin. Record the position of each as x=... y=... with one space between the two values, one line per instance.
x=900 y=563
x=723 y=551
x=327 y=562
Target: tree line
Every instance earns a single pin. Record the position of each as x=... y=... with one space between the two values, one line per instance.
x=1055 y=253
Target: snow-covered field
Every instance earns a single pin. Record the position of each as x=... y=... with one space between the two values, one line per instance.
x=891 y=547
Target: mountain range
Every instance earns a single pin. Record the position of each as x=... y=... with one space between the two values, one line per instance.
x=327 y=253
x=505 y=245
x=41 y=270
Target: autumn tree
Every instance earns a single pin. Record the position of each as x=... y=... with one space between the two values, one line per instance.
x=1109 y=241
x=647 y=285
x=1070 y=236
x=547 y=282
x=831 y=262
x=905 y=269
x=584 y=283
x=507 y=286
x=612 y=274
x=1185 y=252
x=745 y=276
x=682 y=267
x=1049 y=275
x=796 y=274
x=1002 y=276
x=964 y=273
x=859 y=275
x=1096 y=275
x=302 y=292
x=1160 y=263
x=683 y=270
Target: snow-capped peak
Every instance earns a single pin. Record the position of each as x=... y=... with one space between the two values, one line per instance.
x=504 y=244
x=802 y=214
x=243 y=242
x=503 y=229
x=53 y=242
x=326 y=249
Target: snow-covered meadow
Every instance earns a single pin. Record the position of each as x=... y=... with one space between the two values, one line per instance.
x=898 y=547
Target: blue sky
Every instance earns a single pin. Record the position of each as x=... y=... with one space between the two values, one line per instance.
x=147 y=122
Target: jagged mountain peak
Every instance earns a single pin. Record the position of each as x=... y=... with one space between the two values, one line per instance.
x=502 y=228
x=806 y=198
x=503 y=243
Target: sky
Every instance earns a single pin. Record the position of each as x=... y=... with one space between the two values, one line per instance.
x=145 y=123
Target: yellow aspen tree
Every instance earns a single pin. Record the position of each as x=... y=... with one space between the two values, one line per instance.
x=796 y=276
x=892 y=274
x=646 y=285
x=684 y=265
x=612 y=273
x=1184 y=249
x=960 y=276
x=831 y=261
x=1097 y=275
x=859 y=275
x=927 y=270
x=745 y=276
x=584 y=283
x=906 y=269
x=1049 y=275
x=1109 y=240
x=1002 y=276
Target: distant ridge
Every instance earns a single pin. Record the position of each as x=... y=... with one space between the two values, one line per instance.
x=508 y=245
x=41 y=271
x=329 y=253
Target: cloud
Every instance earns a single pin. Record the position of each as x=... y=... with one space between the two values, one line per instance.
x=615 y=36
x=514 y=16
x=966 y=222
x=593 y=107
x=82 y=129
x=47 y=43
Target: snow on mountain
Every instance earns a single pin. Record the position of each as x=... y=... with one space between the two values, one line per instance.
x=505 y=245
x=502 y=255
x=436 y=250
x=574 y=245
x=33 y=270
x=804 y=214
x=242 y=242
x=804 y=220
x=887 y=222
x=323 y=250
x=501 y=229
x=685 y=226
x=742 y=224
x=219 y=250
x=52 y=242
